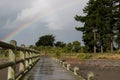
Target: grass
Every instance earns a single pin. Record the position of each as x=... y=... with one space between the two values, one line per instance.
x=83 y=56
x=106 y=56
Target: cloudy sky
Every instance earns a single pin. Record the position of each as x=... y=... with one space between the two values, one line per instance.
x=26 y=20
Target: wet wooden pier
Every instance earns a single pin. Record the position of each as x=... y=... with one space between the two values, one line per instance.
x=48 y=69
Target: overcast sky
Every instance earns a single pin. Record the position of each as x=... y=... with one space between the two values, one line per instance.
x=44 y=17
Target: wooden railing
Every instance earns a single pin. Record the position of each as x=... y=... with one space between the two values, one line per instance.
x=20 y=59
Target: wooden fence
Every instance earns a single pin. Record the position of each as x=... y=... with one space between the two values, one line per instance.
x=18 y=65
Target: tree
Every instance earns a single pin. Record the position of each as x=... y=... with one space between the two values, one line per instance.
x=76 y=46
x=100 y=15
x=93 y=19
x=46 y=40
x=60 y=44
x=32 y=46
x=117 y=8
x=69 y=47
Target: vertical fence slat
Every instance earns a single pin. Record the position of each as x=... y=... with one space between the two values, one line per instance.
x=30 y=62
x=11 y=71
x=26 y=61
x=21 y=66
x=12 y=57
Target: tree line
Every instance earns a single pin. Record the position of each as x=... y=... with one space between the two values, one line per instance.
x=101 y=30
x=48 y=42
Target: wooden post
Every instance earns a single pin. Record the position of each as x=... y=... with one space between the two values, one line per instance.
x=64 y=64
x=26 y=61
x=60 y=62
x=75 y=70
x=32 y=58
x=35 y=56
x=68 y=66
x=90 y=76
x=22 y=63
x=22 y=57
x=30 y=61
x=11 y=69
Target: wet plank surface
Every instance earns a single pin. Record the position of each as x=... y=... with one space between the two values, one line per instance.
x=47 y=69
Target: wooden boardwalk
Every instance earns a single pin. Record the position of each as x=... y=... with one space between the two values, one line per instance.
x=48 y=69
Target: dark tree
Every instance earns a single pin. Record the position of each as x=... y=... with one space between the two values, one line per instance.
x=117 y=16
x=95 y=13
x=101 y=15
x=60 y=44
x=69 y=47
x=46 y=40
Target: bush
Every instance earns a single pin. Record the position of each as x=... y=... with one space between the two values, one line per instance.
x=83 y=56
x=58 y=55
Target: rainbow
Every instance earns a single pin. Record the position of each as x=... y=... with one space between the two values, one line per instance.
x=27 y=24
x=17 y=31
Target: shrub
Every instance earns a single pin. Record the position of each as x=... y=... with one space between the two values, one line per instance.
x=83 y=56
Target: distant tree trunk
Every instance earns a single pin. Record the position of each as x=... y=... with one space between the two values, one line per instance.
x=94 y=41
x=111 y=47
x=101 y=49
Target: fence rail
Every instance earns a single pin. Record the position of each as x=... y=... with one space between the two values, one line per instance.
x=17 y=66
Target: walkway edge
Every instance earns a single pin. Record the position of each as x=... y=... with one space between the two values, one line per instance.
x=62 y=63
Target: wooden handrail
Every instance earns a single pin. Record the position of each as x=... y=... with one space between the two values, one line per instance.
x=28 y=58
x=10 y=46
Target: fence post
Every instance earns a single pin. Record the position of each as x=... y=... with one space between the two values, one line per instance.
x=90 y=76
x=75 y=70
x=26 y=61
x=29 y=60
x=11 y=69
x=22 y=57
x=68 y=66
x=33 y=58
x=30 y=55
x=64 y=64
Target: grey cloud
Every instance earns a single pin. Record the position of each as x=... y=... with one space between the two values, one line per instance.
x=60 y=23
x=9 y=9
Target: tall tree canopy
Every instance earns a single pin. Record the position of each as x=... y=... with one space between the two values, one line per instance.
x=102 y=15
x=46 y=40
x=117 y=11
x=60 y=44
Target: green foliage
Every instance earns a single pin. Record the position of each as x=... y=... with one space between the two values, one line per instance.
x=58 y=55
x=76 y=46
x=104 y=15
x=46 y=40
x=32 y=46
x=73 y=47
x=69 y=47
x=83 y=56
x=60 y=44
x=83 y=50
